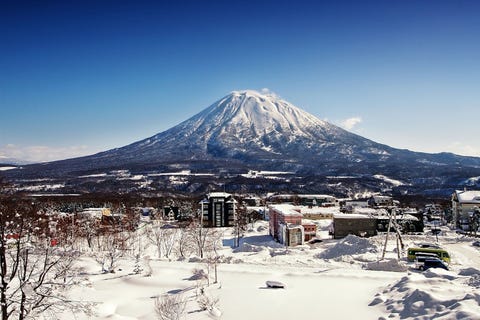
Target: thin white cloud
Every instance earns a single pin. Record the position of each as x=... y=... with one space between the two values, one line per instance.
x=268 y=92
x=464 y=149
x=350 y=123
x=42 y=153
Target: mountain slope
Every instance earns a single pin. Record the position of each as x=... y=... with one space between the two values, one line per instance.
x=248 y=130
x=248 y=125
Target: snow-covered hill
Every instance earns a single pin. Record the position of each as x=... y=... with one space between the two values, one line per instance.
x=12 y=161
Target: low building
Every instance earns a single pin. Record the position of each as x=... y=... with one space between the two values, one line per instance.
x=355 y=224
x=380 y=201
x=171 y=213
x=318 y=213
x=94 y=213
x=309 y=230
x=146 y=214
x=349 y=206
x=407 y=223
x=291 y=235
x=312 y=200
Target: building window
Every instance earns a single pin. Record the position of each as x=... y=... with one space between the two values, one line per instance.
x=298 y=237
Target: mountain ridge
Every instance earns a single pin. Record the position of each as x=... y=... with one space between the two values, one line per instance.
x=249 y=130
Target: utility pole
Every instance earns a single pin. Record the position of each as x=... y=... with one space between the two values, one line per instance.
x=392 y=221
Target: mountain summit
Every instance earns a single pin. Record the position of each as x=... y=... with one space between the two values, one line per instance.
x=251 y=126
x=248 y=130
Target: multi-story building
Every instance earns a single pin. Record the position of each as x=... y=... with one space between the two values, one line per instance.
x=464 y=204
x=285 y=225
x=218 y=210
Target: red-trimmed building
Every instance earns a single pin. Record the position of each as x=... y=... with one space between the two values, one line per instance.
x=286 y=225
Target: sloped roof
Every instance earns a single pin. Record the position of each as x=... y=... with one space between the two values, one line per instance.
x=471 y=196
x=218 y=195
x=352 y=216
x=285 y=209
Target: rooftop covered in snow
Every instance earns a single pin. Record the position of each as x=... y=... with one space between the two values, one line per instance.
x=470 y=196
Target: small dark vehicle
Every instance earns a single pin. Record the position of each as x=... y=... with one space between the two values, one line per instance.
x=433 y=263
x=275 y=284
x=420 y=258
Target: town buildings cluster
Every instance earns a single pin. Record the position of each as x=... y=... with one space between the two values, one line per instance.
x=294 y=219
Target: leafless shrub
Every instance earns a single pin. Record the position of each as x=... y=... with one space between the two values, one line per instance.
x=206 y=302
x=170 y=307
x=109 y=248
x=198 y=274
x=164 y=237
x=148 y=268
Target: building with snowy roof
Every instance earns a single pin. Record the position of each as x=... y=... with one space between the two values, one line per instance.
x=408 y=223
x=464 y=203
x=94 y=213
x=286 y=226
x=380 y=201
x=218 y=209
x=317 y=213
x=320 y=200
x=354 y=224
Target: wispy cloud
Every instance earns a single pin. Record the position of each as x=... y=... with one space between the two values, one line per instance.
x=464 y=149
x=267 y=91
x=350 y=123
x=42 y=153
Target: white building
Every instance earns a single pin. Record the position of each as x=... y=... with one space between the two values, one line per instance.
x=464 y=204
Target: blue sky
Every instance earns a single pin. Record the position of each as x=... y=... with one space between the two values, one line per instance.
x=79 y=77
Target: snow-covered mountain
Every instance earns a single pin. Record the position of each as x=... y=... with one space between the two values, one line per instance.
x=249 y=125
x=250 y=130
x=12 y=161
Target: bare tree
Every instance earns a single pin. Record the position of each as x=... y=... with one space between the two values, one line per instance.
x=164 y=237
x=240 y=226
x=33 y=275
x=254 y=216
x=170 y=307
x=474 y=221
x=210 y=304
x=87 y=228
x=206 y=302
x=110 y=246
x=184 y=244
x=203 y=239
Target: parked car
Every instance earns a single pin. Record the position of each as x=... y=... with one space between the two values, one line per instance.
x=433 y=263
x=315 y=240
x=428 y=245
x=420 y=258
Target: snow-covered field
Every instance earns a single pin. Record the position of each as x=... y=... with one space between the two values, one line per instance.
x=333 y=279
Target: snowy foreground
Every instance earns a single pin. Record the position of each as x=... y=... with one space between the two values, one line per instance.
x=334 y=279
